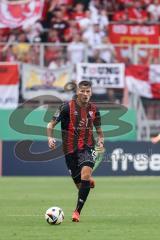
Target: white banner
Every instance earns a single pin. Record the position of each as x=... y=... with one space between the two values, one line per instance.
x=20 y=13
x=9 y=85
x=9 y=95
x=38 y=81
x=102 y=75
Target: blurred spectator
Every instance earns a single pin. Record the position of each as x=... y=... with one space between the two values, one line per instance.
x=59 y=62
x=94 y=36
x=51 y=54
x=106 y=50
x=79 y=12
x=137 y=14
x=124 y=54
x=33 y=32
x=6 y=54
x=55 y=56
x=53 y=36
x=85 y=22
x=121 y=16
x=76 y=50
x=99 y=16
x=64 y=9
x=33 y=56
x=148 y=56
x=94 y=7
x=72 y=30
x=84 y=2
x=21 y=37
x=95 y=57
x=4 y=34
x=58 y=24
x=103 y=20
x=154 y=11
x=21 y=49
x=126 y=3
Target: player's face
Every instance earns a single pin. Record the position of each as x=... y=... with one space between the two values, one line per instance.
x=84 y=94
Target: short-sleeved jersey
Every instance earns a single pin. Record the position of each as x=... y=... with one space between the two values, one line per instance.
x=77 y=125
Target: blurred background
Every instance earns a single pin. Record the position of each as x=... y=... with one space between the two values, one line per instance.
x=46 y=46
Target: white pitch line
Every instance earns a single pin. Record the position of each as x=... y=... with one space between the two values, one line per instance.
x=91 y=215
x=27 y=215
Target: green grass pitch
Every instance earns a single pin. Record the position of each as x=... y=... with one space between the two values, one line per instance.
x=120 y=208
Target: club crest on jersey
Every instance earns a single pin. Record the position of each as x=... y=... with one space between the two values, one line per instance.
x=90 y=113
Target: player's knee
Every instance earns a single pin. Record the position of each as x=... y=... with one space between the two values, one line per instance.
x=85 y=176
x=86 y=173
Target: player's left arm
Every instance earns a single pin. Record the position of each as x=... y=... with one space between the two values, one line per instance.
x=100 y=135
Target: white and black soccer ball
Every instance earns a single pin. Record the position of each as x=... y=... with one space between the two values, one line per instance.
x=54 y=215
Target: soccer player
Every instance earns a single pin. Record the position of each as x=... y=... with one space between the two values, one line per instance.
x=78 y=117
x=156 y=139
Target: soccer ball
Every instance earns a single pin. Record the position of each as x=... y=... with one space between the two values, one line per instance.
x=54 y=215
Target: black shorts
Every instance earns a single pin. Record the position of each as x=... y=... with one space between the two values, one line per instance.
x=75 y=161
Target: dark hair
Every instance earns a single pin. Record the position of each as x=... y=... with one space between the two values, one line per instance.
x=85 y=84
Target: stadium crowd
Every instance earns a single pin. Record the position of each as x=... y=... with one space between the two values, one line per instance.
x=79 y=25
x=72 y=31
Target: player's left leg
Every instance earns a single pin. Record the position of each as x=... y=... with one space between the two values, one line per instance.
x=92 y=183
x=84 y=190
x=86 y=162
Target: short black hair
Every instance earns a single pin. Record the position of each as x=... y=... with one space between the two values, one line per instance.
x=85 y=84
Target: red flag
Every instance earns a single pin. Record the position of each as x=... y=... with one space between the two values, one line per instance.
x=17 y=14
x=9 y=85
x=144 y=80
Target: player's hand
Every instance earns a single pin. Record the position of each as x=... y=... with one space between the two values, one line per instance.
x=100 y=146
x=52 y=143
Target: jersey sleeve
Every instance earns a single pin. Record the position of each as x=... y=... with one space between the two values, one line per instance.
x=61 y=113
x=97 y=120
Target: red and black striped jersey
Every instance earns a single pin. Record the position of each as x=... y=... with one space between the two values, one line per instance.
x=77 y=125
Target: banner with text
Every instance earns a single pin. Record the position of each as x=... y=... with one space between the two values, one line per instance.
x=9 y=85
x=38 y=81
x=102 y=75
x=134 y=34
x=120 y=159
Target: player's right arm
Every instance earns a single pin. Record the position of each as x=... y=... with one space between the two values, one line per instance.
x=61 y=114
x=51 y=140
x=156 y=139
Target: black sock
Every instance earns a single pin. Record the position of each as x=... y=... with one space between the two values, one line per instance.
x=83 y=194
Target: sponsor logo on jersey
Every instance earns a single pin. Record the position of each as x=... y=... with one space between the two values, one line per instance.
x=75 y=113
